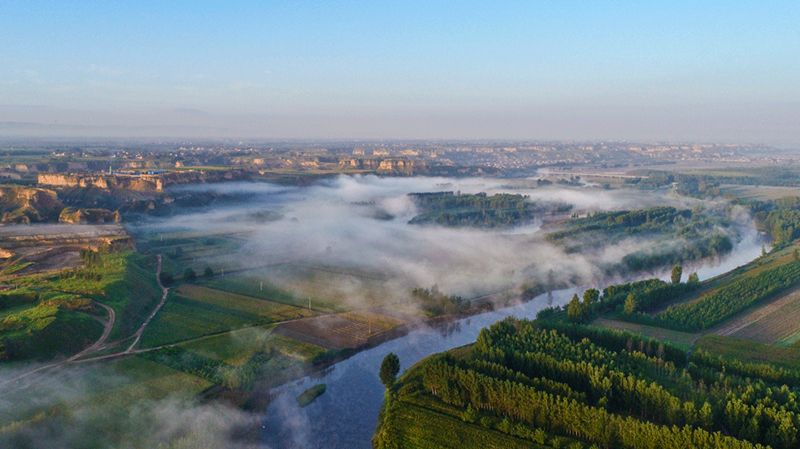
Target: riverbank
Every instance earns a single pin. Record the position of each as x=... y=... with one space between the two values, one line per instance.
x=257 y=398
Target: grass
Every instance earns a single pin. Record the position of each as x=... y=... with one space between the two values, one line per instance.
x=252 y=286
x=114 y=387
x=151 y=380
x=236 y=347
x=195 y=311
x=760 y=193
x=777 y=322
x=374 y=318
x=183 y=319
x=15 y=266
x=683 y=340
x=749 y=351
x=721 y=173
x=15 y=310
x=417 y=427
x=271 y=310
x=753 y=268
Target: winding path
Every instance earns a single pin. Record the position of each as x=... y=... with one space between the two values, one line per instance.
x=165 y=291
x=99 y=344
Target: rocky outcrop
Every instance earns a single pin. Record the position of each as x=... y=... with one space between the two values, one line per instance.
x=202 y=177
x=23 y=205
x=85 y=216
x=360 y=164
x=141 y=182
x=68 y=180
x=399 y=166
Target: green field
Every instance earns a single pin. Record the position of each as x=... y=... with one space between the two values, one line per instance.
x=760 y=193
x=144 y=379
x=682 y=340
x=246 y=304
x=722 y=173
x=418 y=427
x=249 y=285
x=193 y=311
x=112 y=389
x=749 y=351
x=49 y=314
x=237 y=347
x=119 y=401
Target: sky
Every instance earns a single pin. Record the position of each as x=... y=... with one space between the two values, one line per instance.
x=407 y=69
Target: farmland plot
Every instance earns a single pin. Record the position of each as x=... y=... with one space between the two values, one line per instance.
x=196 y=311
x=775 y=323
x=334 y=331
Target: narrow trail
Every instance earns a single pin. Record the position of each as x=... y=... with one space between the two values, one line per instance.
x=165 y=291
x=99 y=344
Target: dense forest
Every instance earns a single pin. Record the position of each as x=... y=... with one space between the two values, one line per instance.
x=479 y=210
x=551 y=384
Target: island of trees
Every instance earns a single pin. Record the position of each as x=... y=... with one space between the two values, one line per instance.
x=479 y=210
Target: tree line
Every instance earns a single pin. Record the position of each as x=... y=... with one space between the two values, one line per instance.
x=726 y=301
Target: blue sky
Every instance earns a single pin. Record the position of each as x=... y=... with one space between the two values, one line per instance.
x=564 y=70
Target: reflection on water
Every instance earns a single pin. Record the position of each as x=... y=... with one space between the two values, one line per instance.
x=346 y=415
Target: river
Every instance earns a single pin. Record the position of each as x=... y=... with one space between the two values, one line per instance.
x=345 y=416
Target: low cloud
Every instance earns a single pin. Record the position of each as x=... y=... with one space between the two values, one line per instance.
x=337 y=223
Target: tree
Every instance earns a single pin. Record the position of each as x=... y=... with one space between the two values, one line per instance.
x=389 y=369
x=693 y=278
x=167 y=278
x=208 y=273
x=574 y=309
x=189 y=275
x=763 y=251
x=630 y=304
x=795 y=255
x=590 y=297
x=677 y=272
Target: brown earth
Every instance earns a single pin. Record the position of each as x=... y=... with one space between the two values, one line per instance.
x=333 y=331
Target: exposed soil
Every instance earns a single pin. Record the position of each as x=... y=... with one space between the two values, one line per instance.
x=331 y=331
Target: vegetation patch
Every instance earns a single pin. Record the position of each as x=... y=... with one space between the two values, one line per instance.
x=537 y=380
x=749 y=352
x=685 y=235
x=238 y=346
x=258 y=288
x=246 y=304
x=682 y=340
x=307 y=397
x=195 y=311
x=731 y=299
x=479 y=210
x=50 y=314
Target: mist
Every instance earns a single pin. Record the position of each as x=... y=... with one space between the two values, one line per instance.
x=348 y=239
x=359 y=225
x=94 y=406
